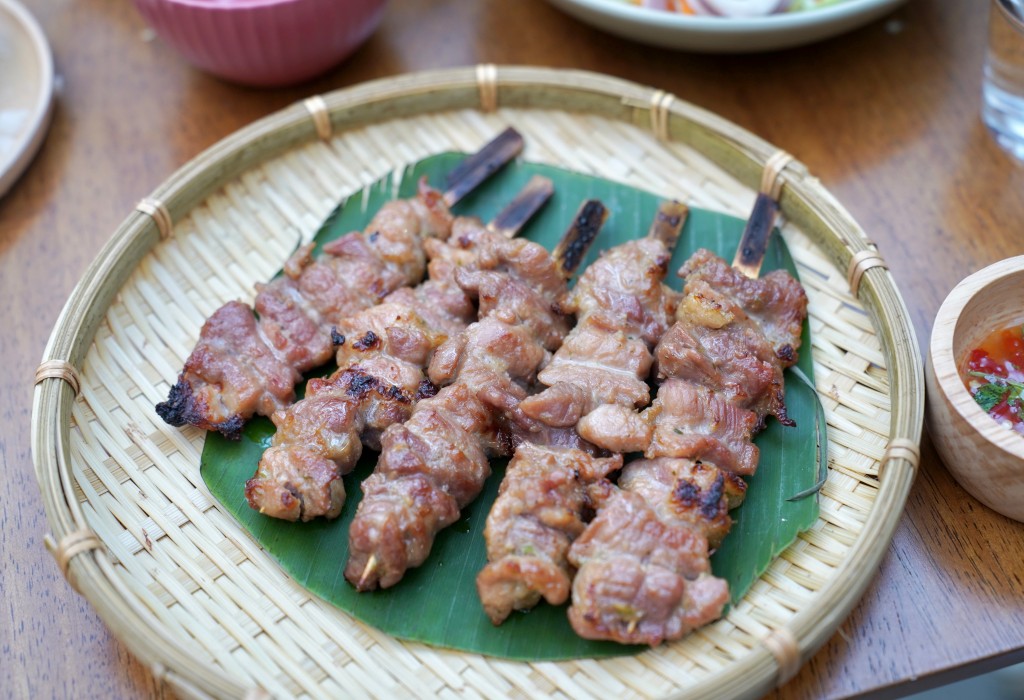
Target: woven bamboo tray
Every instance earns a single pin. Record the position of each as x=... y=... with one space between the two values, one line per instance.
x=184 y=587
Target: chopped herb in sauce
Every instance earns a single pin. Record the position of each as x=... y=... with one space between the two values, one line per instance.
x=994 y=374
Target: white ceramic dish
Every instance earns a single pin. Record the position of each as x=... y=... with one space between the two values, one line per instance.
x=26 y=90
x=725 y=34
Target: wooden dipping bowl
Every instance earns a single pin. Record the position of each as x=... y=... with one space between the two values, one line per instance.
x=985 y=457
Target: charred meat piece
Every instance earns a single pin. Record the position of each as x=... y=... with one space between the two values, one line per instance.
x=598 y=364
x=776 y=301
x=305 y=486
x=231 y=374
x=735 y=335
x=693 y=422
x=683 y=490
x=538 y=513
x=641 y=579
x=734 y=361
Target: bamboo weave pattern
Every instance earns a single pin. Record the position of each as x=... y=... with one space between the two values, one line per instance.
x=208 y=585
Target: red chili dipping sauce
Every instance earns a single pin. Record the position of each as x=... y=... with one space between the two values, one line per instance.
x=994 y=374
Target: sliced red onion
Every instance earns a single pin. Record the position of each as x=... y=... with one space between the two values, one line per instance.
x=740 y=8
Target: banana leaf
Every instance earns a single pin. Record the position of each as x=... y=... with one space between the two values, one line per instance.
x=437 y=603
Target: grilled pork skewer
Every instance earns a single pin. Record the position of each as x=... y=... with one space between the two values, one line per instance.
x=721 y=370
x=643 y=562
x=382 y=358
x=622 y=308
x=538 y=513
x=243 y=365
x=435 y=463
x=641 y=578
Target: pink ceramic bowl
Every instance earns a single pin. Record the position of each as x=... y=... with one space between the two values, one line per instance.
x=263 y=42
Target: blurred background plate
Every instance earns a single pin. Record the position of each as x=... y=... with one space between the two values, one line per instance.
x=26 y=90
x=725 y=34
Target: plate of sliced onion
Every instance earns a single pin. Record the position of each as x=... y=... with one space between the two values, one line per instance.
x=26 y=90
x=727 y=26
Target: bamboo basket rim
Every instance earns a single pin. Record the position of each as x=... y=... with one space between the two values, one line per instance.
x=742 y=155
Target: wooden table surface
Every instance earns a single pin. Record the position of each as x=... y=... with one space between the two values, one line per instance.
x=887 y=117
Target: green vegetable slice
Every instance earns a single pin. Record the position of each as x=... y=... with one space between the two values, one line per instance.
x=437 y=603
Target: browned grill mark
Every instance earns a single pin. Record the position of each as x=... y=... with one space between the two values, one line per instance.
x=426 y=389
x=369 y=341
x=781 y=414
x=660 y=268
x=183 y=408
x=358 y=384
x=689 y=494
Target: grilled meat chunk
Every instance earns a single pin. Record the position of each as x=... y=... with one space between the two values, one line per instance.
x=641 y=579
x=622 y=308
x=693 y=422
x=538 y=513
x=776 y=302
x=687 y=491
x=735 y=335
x=230 y=375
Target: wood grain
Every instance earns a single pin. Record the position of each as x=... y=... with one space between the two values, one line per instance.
x=887 y=117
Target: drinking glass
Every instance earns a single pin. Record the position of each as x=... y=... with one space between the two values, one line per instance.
x=1003 y=85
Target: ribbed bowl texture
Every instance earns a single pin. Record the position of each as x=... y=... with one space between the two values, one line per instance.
x=263 y=43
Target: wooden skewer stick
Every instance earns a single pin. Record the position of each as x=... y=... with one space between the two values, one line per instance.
x=750 y=254
x=528 y=202
x=752 y=247
x=465 y=176
x=668 y=222
x=574 y=245
x=368 y=571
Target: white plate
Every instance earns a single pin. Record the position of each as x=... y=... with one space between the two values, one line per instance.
x=725 y=34
x=26 y=90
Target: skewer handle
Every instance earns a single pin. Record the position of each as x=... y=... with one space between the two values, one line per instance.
x=668 y=222
x=576 y=241
x=520 y=210
x=368 y=572
x=465 y=176
x=752 y=247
